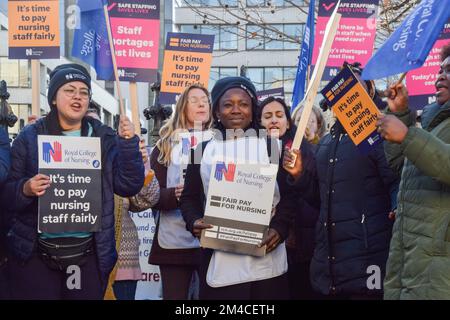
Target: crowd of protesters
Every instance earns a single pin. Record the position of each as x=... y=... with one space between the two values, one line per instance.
x=339 y=217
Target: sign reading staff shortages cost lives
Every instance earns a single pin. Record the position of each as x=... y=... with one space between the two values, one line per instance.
x=239 y=206
x=74 y=167
x=354 y=109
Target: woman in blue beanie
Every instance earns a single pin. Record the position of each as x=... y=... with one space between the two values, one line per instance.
x=38 y=262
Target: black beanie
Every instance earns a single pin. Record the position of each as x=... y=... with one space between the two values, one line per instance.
x=228 y=83
x=66 y=73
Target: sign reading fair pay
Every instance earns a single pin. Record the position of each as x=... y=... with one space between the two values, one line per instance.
x=71 y=204
x=239 y=206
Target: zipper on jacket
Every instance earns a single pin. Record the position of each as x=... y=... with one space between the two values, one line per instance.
x=363 y=218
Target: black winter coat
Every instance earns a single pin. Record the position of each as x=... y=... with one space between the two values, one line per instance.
x=353 y=232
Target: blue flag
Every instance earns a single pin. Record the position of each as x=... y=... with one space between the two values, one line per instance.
x=90 y=41
x=408 y=47
x=305 y=58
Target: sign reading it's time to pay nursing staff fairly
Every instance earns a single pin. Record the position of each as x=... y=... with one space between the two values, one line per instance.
x=73 y=201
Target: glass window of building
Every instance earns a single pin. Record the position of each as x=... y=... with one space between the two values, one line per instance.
x=265 y=78
x=210 y=3
x=274 y=38
x=277 y=3
x=225 y=37
x=16 y=73
x=254 y=37
x=107 y=119
x=293 y=32
x=273 y=78
x=284 y=37
x=289 y=78
x=219 y=73
x=294 y=2
x=214 y=30
x=228 y=38
x=189 y=28
x=256 y=75
x=109 y=86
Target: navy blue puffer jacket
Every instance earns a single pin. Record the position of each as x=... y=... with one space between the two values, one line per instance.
x=353 y=232
x=122 y=173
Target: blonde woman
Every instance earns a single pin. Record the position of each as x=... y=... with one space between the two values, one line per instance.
x=316 y=128
x=175 y=249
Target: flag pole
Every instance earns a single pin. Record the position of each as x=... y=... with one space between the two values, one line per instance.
x=113 y=56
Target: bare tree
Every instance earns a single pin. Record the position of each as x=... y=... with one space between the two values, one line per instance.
x=391 y=13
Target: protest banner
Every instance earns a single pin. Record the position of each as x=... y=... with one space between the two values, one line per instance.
x=188 y=141
x=33 y=29
x=264 y=94
x=71 y=204
x=354 y=109
x=135 y=32
x=149 y=287
x=239 y=206
x=187 y=60
x=355 y=37
x=420 y=82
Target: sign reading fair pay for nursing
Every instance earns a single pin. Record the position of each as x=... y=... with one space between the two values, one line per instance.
x=73 y=201
x=239 y=206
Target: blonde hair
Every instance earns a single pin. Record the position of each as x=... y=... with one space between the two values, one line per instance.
x=321 y=124
x=177 y=123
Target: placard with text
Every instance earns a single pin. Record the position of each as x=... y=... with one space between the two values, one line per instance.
x=354 y=109
x=239 y=206
x=73 y=201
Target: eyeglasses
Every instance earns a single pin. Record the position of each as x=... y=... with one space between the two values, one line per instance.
x=85 y=94
x=194 y=100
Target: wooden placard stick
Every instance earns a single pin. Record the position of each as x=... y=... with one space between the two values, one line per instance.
x=113 y=56
x=313 y=87
x=135 y=108
x=36 y=88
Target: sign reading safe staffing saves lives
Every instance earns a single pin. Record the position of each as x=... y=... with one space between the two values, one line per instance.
x=354 y=109
x=239 y=206
x=71 y=204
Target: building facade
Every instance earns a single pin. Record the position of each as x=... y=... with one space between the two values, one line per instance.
x=246 y=37
x=17 y=74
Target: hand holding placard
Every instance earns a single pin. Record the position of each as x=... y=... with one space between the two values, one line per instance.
x=292 y=162
x=199 y=226
x=271 y=240
x=36 y=186
x=126 y=127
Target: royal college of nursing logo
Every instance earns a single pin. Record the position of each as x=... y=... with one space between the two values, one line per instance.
x=223 y=171
x=49 y=152
x=187 y=144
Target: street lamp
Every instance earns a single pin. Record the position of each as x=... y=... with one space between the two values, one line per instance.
x=157 y=112
x=7 y=117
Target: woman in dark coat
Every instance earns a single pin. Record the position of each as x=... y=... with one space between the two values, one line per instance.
x=353 y=233
x=304 y=204
x=35 y=271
